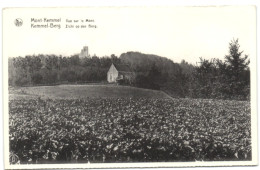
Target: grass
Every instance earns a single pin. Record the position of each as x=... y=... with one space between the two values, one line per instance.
x=83 y=91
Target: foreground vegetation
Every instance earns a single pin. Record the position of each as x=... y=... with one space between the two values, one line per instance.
x=128 y=130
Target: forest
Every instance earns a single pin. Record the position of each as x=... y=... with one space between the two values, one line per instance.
x=215 y=78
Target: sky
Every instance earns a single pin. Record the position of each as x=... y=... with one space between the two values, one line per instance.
x=174 y=32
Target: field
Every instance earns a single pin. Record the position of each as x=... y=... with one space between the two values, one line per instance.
x=83 y=91
x=103 y=125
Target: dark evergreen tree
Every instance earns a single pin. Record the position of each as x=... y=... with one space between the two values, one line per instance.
x=237 y=69
x=237 y=64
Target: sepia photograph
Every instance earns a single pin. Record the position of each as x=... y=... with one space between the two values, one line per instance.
x=116 y=87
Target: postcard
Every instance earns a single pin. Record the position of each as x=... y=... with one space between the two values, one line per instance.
x=129 y=87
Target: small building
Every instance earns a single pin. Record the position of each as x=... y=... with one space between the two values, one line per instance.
x=120 y=73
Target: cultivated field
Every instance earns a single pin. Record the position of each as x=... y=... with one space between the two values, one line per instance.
x=123 y=124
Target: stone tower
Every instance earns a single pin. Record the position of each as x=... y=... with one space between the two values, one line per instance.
x=84 y=52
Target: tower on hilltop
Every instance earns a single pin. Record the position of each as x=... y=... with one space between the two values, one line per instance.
x=84 y=52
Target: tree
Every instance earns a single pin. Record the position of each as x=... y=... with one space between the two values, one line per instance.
x=181 y=83
x=37 y=78
x=74 y=60
x=237 y=67
x=204 y=77
x=236 y=63
x=115 y=59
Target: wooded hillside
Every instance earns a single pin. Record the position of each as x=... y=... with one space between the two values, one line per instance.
x=228 y=79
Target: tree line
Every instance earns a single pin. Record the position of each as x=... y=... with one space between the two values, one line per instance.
x=51 y=69
x=215 y=78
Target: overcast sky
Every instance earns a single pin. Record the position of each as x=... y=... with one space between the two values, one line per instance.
x=174 y=32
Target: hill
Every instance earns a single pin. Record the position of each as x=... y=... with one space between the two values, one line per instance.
x=83 y=91
x=143 y=62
